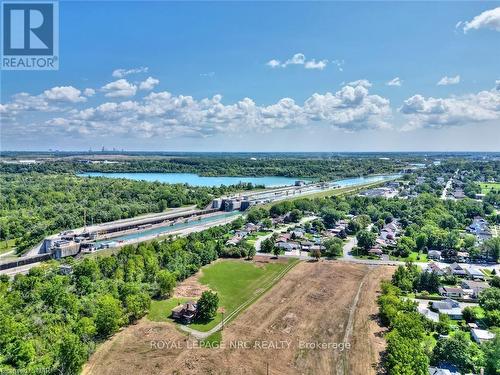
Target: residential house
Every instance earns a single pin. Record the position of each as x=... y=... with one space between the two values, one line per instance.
x=475 y=287
x=376 y=251
x=237 y=238
x=306 y=245
x=456 y=270
x=433 y=267
x=458 y=194
x=185 y=313
x=419 y=180
x=474 y=274
x=442 y=371
x=317 y=247
x=448 y=307
x=288 y=246
x=480 y=229
x=283 y=237
x=297 y=234
x=451 y=292
x=434 y=254
x=481 y=335
x=431 y=315
x=251 y=227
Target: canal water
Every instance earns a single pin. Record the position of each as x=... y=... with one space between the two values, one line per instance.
x=167 y=229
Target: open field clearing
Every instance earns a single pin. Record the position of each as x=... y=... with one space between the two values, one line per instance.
x=236 y=281
x=486 y=187
x=320 y=318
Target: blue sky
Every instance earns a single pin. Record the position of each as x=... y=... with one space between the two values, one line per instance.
x=204 y=59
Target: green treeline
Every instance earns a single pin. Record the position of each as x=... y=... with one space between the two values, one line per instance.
x=34 y=205
x=324 y=169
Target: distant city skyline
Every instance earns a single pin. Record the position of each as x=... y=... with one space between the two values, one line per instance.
x=337 y=77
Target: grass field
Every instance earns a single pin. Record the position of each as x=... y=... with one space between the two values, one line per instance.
x=413 y=257
x=8 y=245
x=160 y=310
x=235 y=281
x=487 y=186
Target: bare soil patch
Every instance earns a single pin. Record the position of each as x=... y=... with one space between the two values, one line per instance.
x=297 y=327
x=191 y=287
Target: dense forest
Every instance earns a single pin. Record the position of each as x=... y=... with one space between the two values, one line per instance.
x=321 y=168
x=33 y=205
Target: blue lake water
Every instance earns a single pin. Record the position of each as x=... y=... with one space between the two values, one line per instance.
x=196 y=180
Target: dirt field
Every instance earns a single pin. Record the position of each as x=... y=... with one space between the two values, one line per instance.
x=319 y=319
x=190 y=287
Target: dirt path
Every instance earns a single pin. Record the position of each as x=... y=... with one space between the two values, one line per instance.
x=367 y=339
x=298 y=327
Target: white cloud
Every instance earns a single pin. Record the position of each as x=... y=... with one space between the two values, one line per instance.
x=300 y=59
x=489 y=19
x=273 y=63
x=395 y=82
x=361 y=82
x=297 y=59
x=89 y=92
x=148 y=84
x=459 y=110
x=119 y=88
x=64 y=94
x=163 y=114
x=446 y=81
x=312 y=64
x=121 y=73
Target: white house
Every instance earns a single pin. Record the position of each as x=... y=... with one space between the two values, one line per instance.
x=481 y=335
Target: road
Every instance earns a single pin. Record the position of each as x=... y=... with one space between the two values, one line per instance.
x=444 y=194
x=21 y=269
x=446 y=188
x=351 y=242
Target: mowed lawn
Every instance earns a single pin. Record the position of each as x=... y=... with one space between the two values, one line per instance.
x=487 y=186
x=235 y=281
x=160 y=310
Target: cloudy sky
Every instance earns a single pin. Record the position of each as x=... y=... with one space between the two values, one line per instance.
x=344 y=76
